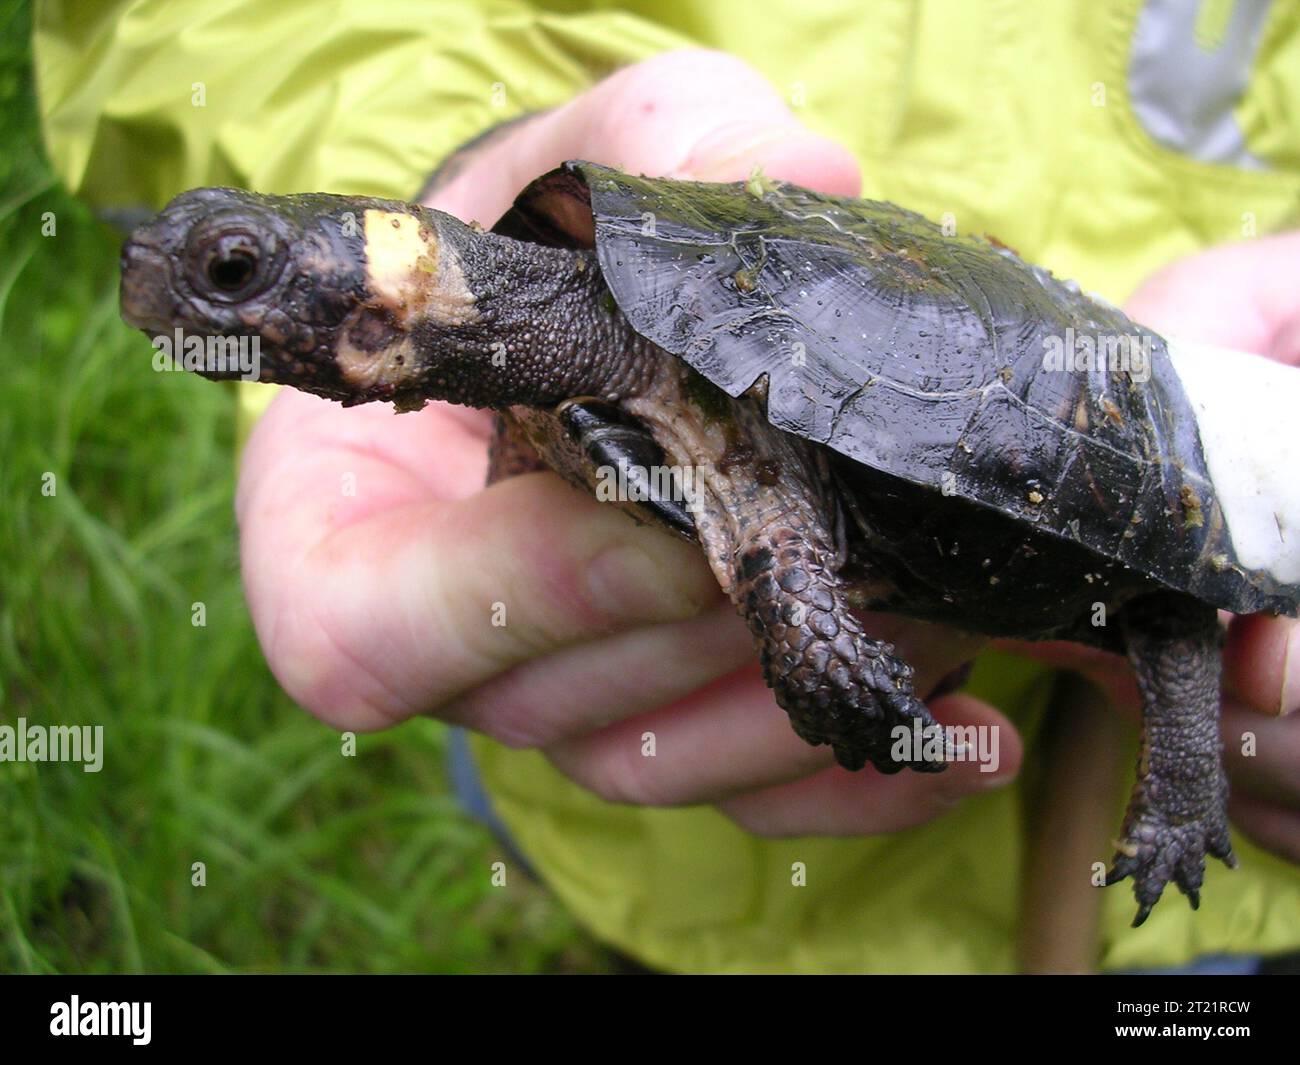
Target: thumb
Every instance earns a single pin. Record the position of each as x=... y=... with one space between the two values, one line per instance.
x=781 y=149
x=691 y=114
x=703 y=115
x=427 y=601
x=1239 y=295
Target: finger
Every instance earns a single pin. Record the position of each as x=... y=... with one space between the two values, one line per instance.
x=590 y=686
x=779 y=148
x=719 y=740
x=724 y=739
x=1285 y=343
x=1239 y=295
x=1262 y=662
x=836 y=802
x=1275 y=828
x=428 y=598
x=1110 y=672
x=297 y=427
x=689 y=113
x=933 y=651
x=1262 y=754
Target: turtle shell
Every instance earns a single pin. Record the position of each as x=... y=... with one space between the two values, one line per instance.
x=922 y=355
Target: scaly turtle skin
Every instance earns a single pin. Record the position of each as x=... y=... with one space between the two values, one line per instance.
x=861 y=405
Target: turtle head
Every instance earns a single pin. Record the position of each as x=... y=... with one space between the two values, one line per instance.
x=359 y=299
x=314 y=291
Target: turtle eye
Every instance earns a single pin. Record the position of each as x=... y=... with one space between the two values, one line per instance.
x=232 y=266
x=233 y=272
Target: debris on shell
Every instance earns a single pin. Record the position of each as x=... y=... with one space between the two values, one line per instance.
x=759 y=184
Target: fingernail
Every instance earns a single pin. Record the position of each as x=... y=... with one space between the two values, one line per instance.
x=970 y=786
x=1290 y=697
x=729 y=155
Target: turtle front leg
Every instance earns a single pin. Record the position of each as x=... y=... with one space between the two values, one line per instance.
x=767 y=513
x=1178 y=810
x=839 y=686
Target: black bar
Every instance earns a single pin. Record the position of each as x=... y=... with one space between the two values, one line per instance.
x=368 y=1014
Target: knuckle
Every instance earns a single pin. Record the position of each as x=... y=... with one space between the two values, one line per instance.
x=619 y=774
x=512 y=722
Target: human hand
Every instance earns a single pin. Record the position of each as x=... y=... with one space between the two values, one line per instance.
x=377 y=606
x=1237 y=296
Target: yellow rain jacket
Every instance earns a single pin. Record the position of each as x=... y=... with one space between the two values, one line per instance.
x=1102 y=138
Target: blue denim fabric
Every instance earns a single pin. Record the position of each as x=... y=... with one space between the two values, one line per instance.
x=473 y=797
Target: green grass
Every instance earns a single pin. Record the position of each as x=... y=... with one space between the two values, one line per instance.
x=313 y=861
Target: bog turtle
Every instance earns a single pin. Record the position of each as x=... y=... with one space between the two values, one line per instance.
x=855 y=410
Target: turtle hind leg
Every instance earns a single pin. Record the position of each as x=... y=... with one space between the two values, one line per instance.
x=1178 y=811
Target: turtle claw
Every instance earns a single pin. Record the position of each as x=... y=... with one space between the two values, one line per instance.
x=877 y=742
x=1155 y=852
x=878 y=701
x=866 y=734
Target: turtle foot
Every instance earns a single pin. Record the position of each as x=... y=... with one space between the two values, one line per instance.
x=866 y=710
x=1155 y=851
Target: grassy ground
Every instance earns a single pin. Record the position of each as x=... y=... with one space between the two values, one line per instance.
x=115 y=517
